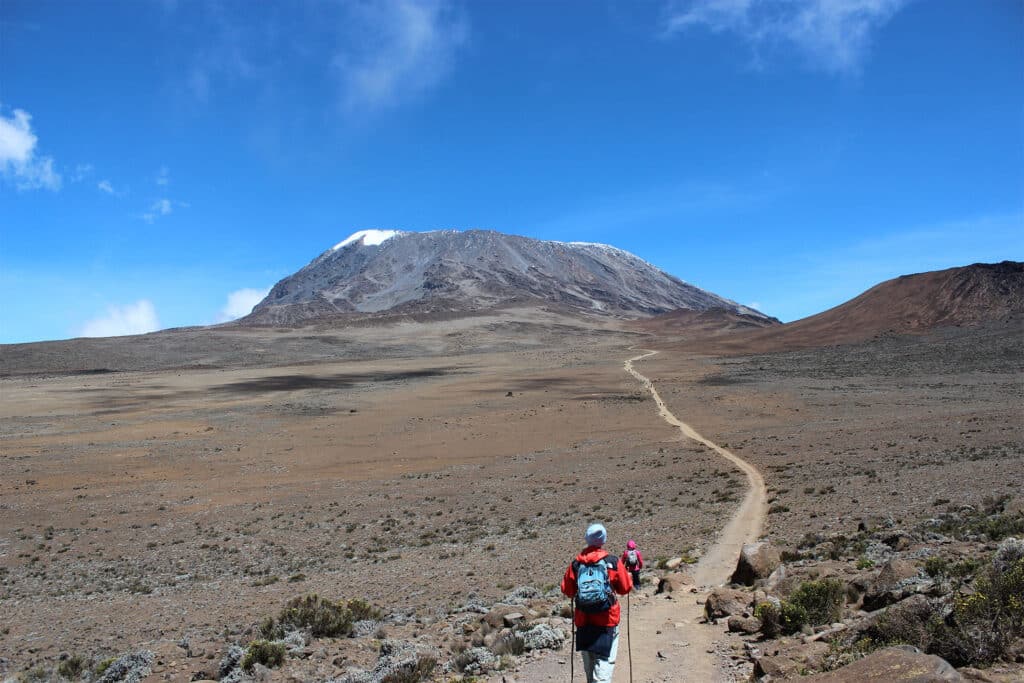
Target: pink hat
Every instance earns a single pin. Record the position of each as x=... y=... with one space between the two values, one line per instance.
x=631 y=544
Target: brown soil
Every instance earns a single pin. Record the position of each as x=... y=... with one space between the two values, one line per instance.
x=160 y=502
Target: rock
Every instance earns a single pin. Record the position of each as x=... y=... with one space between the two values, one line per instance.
x=896 y=580
x=230 y=660
x=748 y=625
x=543 y=637
x=673 y=583
x=893 y=665
x=673 y=564
x=512 y=618
x=496 y=617
x=1010 y=550
x=757 y=561
x=725 y=602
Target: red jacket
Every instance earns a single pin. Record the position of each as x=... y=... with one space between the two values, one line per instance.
x=619 y=577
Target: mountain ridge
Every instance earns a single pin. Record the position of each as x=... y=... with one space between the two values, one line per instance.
x=452 y=271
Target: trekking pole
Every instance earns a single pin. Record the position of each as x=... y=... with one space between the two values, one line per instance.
x=572 y=649
x=629 y=640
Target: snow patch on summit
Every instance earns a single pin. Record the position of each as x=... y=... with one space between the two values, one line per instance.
x=370 y=238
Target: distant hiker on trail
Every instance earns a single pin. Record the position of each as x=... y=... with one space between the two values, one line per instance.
x=634 y=561
x=592 y=580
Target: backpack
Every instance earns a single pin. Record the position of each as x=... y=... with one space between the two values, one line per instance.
x=632 y=559
x=593 y=589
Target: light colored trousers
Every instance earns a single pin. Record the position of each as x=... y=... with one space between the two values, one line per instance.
x=600 y=670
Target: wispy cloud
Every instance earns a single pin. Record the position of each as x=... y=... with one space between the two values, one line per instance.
x=19 y=163
x=137 y=318
x=160 y=208
x=163 y=177
x=398 y=49
x=81 y=172
x=833 y=35
x=240 y=303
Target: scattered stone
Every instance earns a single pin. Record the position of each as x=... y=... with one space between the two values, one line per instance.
x=756 y=562
x=896 y=580
x=673 y=564
x=673 y=583
x=512 y=618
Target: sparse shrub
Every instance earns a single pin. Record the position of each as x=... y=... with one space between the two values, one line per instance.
x=104 y=664
x=268 y=654
x=778 y=507
x=984 y=623
x=362 y=610
x=905 y=623
x=412 y=672
x=73 y=667
x=865 y=563
x=509 y=644
x=822 y=601
x=36 y=675
x=318 y=616
x=936 y=566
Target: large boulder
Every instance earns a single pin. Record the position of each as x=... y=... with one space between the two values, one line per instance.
x=757 y=562
x=893 y=665
x=673 y=583
x=725 y=602
x=896 y=580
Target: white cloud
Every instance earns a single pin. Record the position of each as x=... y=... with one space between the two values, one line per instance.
x=19 y=163
x=137 y=318
x=163 y=177
x=398 y=49
x=105 y=186
x=240 y=303
x=833 y=35
x=159 y=208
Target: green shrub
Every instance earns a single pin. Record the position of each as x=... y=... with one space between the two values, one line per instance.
x=865 y=563
x=770 y=618
x=822 y=601
x=936 y=567
x=268 y=654
x=102 y=667
x=319 y=616
x=984 y=623
x=776 y=621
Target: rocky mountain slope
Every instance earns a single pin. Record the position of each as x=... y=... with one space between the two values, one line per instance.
x=449 y=271
x=982 y=293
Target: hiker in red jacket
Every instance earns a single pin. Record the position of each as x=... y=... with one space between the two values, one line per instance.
x=634 y=561
x=592 y=580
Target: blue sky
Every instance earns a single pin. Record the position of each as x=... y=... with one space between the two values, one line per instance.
x=162 y=163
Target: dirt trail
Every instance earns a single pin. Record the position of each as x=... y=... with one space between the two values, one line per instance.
x=671 y=627
x=669 y=642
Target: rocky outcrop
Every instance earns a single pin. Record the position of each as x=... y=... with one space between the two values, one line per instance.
x=893 y=665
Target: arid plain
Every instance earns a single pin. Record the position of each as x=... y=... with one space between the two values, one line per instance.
x=171 y=492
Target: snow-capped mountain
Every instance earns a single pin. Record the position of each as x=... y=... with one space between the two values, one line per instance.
x=375 y=271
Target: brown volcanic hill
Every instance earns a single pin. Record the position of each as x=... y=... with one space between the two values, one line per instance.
x=711 y=321
x=909 y=304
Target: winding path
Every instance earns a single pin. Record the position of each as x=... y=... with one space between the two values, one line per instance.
x=670 y=644
x=672 y=627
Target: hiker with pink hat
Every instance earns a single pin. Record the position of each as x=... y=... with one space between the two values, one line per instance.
x=633 y=561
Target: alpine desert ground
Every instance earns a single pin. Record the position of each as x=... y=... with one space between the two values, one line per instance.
x=162 y=496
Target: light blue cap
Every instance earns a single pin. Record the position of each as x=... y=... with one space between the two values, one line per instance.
x=596 y=534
